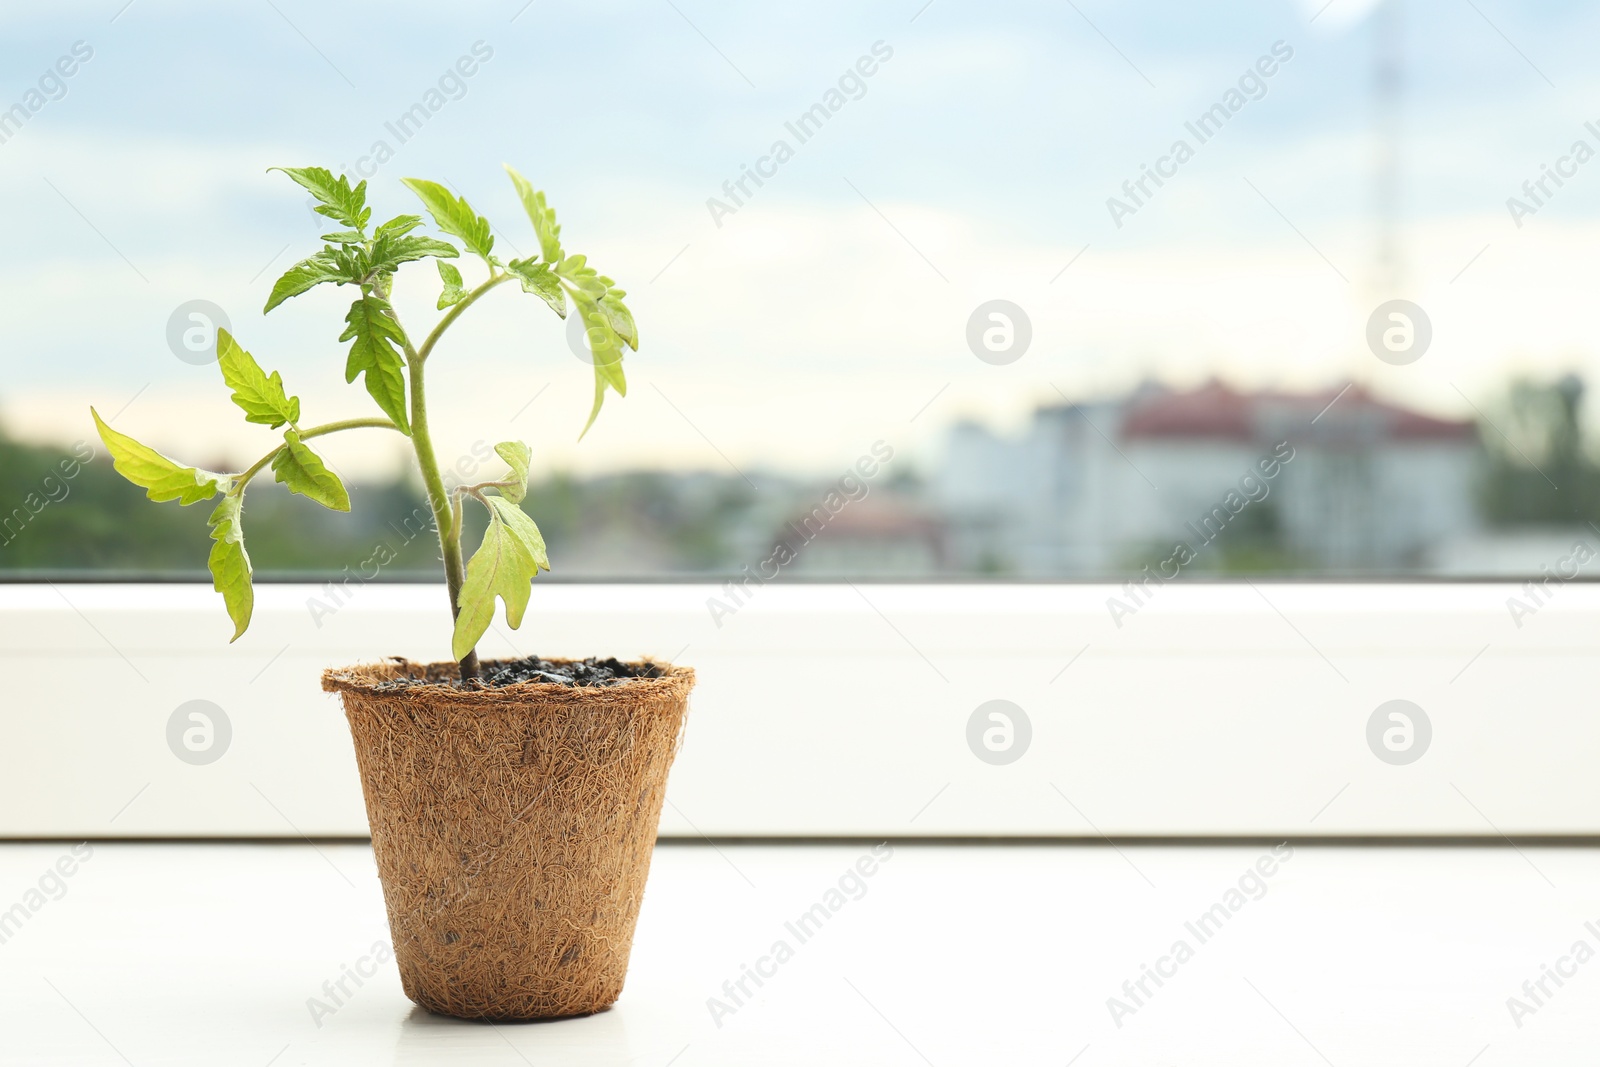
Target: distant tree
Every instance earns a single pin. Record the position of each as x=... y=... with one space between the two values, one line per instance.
x=1540 y=470
x=95 y=522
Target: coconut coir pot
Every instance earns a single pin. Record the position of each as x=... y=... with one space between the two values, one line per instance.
x=513 y=828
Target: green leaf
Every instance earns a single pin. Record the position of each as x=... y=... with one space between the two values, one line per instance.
x=344 y=237
x=539 y=279
x=453 y=292
x=603 y=342
x=262 y=398
x=158 y=476
x=398 y=226
x=303 y=471
x=619 y=317
x=525 y=533
x=510 y=557
x=453 y=215
x=576 y=270
x=375 y=352
x=608 y=325
x=517 y=455
x=324 y=266
x=599 y=400
x=230 y=563
x=335 y=198
x=406 y=249
x=607 y=349
x=540 y=214
x=389 y=252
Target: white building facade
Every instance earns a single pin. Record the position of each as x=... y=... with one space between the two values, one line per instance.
x=1356 y=485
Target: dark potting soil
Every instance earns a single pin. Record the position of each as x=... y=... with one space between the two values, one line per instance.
x=591 y=671
x=495 y=673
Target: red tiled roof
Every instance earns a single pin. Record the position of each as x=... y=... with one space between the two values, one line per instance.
x=880 y=516
x=1217 y=412
x=1212 y=411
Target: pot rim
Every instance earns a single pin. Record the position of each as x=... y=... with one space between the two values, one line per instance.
x=369 y=680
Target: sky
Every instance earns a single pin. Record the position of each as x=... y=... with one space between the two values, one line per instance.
x=829 y=307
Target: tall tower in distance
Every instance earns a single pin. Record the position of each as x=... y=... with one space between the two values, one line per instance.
x=1388 y=271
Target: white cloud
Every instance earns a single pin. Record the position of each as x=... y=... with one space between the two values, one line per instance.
x=1338 y=15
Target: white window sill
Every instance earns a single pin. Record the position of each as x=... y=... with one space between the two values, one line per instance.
x=834 y=710
x=208 y=954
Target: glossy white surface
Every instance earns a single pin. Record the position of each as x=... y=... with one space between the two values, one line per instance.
x=208 y=954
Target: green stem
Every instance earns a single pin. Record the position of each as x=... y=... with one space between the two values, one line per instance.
x=455 y=313
x=444 y=519
x=306 y=435
x=476 y=488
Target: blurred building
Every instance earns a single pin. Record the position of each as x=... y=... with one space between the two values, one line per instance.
x=1101 y=488
x=882 y=535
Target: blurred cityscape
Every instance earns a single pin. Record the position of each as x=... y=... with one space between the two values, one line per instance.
x=1208 y=480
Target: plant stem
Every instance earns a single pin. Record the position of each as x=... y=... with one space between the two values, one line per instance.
x=445 y=516
x=455 y=313
x=373 y=423
x=438 y=499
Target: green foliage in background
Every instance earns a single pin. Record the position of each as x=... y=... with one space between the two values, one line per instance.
x=1540 y=471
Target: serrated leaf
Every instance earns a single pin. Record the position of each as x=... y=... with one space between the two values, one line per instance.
x=517 y=456
x=324 y=266
x=619 y=317
x=344 y=237
x=334 y=196
x=539 y=279
x=406 y=249
x=608 y=325
x=303 y=471
x=260 y=396
x=599 y=401
x=398 y=226
x=230 y=563
x=510 y=557
x=389 y=252
x=453 y=215
x=527 y=535
x=375 y=351
x=603 y=342
x=576 y=270
x=453 y=292
x=606 y=347
x=540 y=214
x=160 y=478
